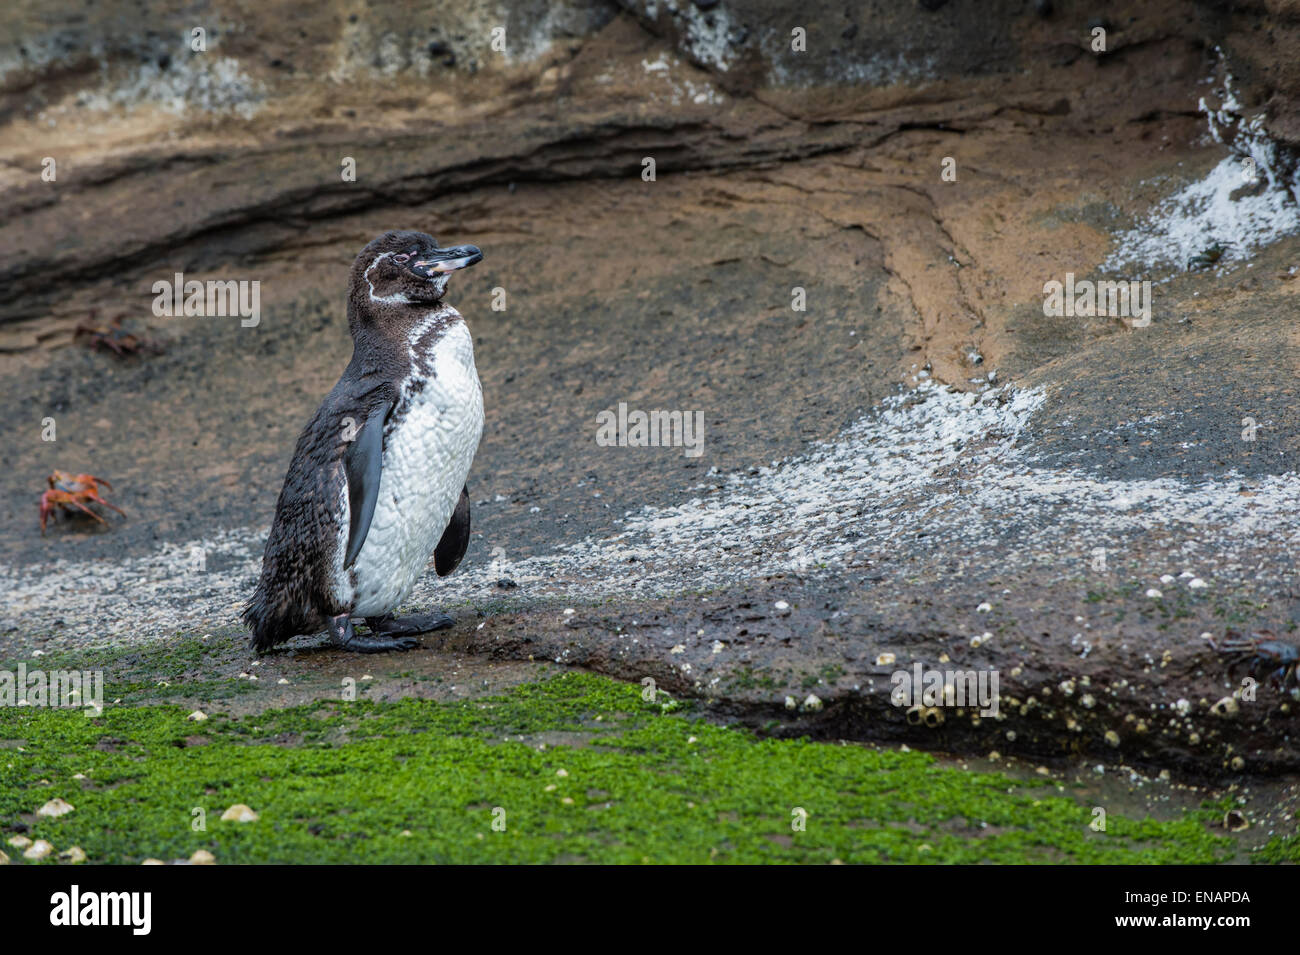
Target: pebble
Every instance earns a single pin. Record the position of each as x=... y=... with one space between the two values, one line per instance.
x=1154 y=594
x=1197 y=584
x=75 y=855
x=4 y=859
x=197 y=716
x=813 y=703
x=55 y=807
x=153 y=862
x=885 y=659
x=782 y=608
x=984 y=608
x=791 y=703
x=20 y=842
x=203 y=857
x=38 y=850
x=239 y=813
x=1225 y=707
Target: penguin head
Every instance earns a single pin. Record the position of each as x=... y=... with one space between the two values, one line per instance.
x=408 y=268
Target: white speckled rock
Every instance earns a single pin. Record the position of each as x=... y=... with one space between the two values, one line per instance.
x=239 y=813
x=55 y=807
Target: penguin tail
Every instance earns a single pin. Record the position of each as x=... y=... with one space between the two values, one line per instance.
x=268 y=622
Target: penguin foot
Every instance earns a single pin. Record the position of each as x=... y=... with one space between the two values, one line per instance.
x=346 y=638
x=415 y=623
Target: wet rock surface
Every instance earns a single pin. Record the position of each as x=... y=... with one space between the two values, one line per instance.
x=919 y=441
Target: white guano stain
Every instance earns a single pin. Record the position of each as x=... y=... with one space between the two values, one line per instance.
x=1224 y=208
x=955 y=466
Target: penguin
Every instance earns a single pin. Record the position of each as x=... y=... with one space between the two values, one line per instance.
x=377 y=483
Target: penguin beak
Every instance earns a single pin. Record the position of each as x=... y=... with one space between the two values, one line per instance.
x=446 y=260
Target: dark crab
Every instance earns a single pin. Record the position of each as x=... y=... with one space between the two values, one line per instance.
x=1207 y=258
x=114 y=337
x=1261 y=655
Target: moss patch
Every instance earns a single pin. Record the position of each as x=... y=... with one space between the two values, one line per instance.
x=583 y=768
x=182 y=666
x=1280 y=849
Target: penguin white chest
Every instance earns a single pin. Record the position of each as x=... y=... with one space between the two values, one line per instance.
x=429 y=445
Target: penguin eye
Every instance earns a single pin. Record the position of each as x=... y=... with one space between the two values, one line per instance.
x=401 y=257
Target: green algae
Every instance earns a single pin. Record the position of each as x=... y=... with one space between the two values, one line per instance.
x=181 y=666
x=576 y=768
x=1280 y=849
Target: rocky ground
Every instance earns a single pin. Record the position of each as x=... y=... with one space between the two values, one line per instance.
x=918 y=466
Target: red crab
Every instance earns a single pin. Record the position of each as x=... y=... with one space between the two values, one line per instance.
x=74 y=491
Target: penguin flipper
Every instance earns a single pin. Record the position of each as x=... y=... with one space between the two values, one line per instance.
x=455 y=539
x=363 y=462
